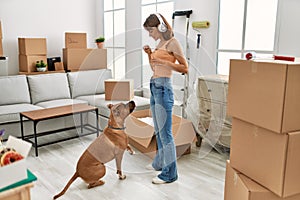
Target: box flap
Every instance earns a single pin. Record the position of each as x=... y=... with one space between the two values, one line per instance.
x=139 y=131
x=19 y=145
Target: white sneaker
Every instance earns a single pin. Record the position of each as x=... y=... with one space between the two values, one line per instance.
x=157 y=180
x=149 y=167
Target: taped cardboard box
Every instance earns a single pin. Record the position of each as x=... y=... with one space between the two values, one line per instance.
x=75 y=40
x=16 y=171
x=119 y=89
x=265 y=93
x=240 y=187
x=268 y=158
x=32 y=46
x=84 y=59
x=141 y=133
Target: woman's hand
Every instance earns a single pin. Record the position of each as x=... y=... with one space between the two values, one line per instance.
x=147 y=49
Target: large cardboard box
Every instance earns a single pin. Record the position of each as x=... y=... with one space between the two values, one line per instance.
x=84 y=59
x=269 y=158
x=141 y=133
x=119 y=89
x=265 y=93
x=240 y=187
x=32 y=46
x=16 y=171
x=27 y=63
x=75 y=40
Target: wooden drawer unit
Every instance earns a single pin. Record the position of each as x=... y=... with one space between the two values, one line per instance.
x=214 y=124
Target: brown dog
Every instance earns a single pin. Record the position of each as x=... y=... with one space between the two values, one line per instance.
x=108 y=146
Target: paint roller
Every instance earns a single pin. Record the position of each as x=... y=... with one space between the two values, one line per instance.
x=200 y=24
x=197 y=25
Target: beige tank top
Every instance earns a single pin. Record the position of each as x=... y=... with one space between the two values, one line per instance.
x=163 y=54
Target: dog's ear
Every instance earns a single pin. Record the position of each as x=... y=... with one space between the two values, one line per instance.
x=109 y=106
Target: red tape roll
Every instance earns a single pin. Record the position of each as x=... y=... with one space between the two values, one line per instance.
x=287 y=58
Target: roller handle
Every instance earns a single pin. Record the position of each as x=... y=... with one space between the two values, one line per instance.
x=187 y=13
x=198 y=40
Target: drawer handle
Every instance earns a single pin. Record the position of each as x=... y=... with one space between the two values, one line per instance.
x=209 y=90
x=208 y=110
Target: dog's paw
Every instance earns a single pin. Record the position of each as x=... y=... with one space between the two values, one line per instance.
x=132 y=152
x=122 y=177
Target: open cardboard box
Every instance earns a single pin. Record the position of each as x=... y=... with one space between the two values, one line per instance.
x=141 y=134
x=16 y=171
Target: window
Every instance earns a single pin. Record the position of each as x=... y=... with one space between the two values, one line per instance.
x=114 y=32
x=251 y=27
x=166 y=8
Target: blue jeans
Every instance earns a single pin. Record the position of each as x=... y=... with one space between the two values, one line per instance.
x=161 y=104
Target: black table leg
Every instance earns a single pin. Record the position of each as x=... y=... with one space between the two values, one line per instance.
x=97 y=118
x=35 y=138
x=22 y=129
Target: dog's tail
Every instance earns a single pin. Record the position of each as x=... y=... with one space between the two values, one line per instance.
x=74 y=177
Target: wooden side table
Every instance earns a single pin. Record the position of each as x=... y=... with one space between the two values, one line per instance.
x=50 y=113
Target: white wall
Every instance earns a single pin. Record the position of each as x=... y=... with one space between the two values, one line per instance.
x=202 y=60
x=52 y=18
x=47 y=18
x=289 y=35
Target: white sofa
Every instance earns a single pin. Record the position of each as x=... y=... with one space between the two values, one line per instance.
x=21 y=93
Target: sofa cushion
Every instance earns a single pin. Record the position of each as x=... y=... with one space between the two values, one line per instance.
x=14 y=90
x=45 y=87
x=60 y=102
x=100 y=102
x=88 y=82
x=10 y=113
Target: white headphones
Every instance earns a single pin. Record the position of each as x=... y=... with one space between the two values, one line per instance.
x=162 y=27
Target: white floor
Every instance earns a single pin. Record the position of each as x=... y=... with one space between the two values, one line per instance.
x=201 y=175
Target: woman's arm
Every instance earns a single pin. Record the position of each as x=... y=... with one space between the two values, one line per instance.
x=148 y=51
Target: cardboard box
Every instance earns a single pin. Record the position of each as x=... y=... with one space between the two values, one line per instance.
x=16 y=171
x=240 y=187
x=75 y=41
x=84 y=59
x=269 y=158
x=141 y=134
x=32 y=46
x=27 y=63
x=119 y=89
x=265 y=93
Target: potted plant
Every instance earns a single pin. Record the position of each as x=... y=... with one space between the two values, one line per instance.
x=41 y=66
x=100 y=41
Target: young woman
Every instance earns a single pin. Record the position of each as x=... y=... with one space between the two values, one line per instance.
x=167 y=57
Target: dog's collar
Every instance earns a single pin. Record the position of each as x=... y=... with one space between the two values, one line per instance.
x=116 y=128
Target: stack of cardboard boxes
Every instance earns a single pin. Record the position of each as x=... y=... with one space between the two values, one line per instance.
x=76 y=55
x=263 y=100
x=31 y=50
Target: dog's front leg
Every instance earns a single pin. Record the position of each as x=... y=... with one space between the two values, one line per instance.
x=119 y=167
x=130 y=150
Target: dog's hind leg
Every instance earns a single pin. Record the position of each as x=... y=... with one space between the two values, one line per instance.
x=99 y=173
x=95 y=184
